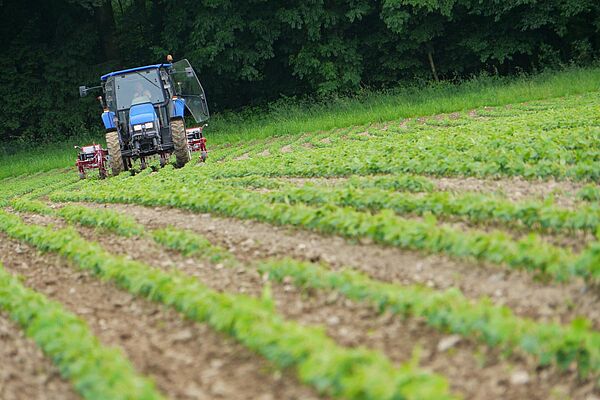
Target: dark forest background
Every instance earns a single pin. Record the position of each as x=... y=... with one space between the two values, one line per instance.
x=253 y=52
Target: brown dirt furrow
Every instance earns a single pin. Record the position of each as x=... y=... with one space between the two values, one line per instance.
x=249 y=240
x=576 y=241
x=187 y=360
x=474 y=370
x=514 y=189
x=25 y=374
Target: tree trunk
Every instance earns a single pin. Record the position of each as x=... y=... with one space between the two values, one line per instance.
x=105 y=21
x=431 y=63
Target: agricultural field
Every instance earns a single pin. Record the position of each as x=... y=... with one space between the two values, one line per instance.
x=445 y=256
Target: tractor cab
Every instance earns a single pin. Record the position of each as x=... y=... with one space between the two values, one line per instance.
x=144 y=109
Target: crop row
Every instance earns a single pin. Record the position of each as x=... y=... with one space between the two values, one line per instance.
x=401 y=182
x=384 y=227
x=375 y=195
x=33 y=182
x=450 y=311
x=589 y=193
x=444 y=310
x=191 y=245
x=471 y=206
x=124 y=225
x=96 y=372
x=541 y=145
x=349 y=373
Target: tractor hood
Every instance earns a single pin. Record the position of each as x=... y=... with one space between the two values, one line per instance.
x=141 y=113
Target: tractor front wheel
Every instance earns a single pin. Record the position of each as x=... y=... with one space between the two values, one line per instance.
x=182 y=151
x=114 y=150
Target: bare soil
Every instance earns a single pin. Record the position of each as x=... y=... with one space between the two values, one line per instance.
x=474 y=370
x=516 y=189
x=186 y=360
x=25 y=373
x=248 y=240
x=576 y=241
x=563 y=193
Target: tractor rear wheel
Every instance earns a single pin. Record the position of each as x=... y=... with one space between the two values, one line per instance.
x=182 y=151
x=114 y=150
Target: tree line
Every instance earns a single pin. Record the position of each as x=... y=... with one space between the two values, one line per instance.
x=255 y=51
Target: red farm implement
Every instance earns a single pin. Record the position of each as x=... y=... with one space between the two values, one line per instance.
x=197 y=141
x=91 y=157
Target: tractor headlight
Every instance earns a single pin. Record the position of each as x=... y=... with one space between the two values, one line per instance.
x=137 y=127
x=149 y=125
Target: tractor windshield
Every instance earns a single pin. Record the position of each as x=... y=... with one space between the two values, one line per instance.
x=188 y=86
x=138 y=87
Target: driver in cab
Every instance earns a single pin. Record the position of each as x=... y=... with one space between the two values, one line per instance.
x=141 y=95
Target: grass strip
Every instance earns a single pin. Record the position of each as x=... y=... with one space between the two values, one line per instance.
x=31 y=183
x=319 y=361
x=105 y=219
x=97 y=372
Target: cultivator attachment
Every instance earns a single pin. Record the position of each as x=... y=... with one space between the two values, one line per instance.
x=197 y=141
x=92 y=157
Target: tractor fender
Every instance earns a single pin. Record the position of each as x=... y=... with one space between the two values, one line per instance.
x=108 y=118
x=178 y=108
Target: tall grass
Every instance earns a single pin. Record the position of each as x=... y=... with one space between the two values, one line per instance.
x=290 y=117
x=297 y=116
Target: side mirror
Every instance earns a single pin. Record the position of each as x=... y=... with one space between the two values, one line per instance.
x=83 y=91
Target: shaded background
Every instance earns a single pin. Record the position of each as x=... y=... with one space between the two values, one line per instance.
x=248 y=53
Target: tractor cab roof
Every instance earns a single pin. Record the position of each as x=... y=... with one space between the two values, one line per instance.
x=124 y=71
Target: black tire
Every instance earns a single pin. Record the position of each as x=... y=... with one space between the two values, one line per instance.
x=203 y=156
x=114 y=150
x=182 y=151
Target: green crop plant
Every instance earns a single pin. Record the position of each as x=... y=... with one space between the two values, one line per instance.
x=384 y=227
x=445 y=310
x=190 y=244
x=471 y=206
x=97 y=372
x=589 y=193
x=347 y=373
x=450 y=311
x=104 y=219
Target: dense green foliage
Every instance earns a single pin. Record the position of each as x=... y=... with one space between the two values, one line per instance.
x=294 y=117
x=256 y=51
x=97 y=372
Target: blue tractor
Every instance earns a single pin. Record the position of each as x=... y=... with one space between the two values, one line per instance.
x=144 y=110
